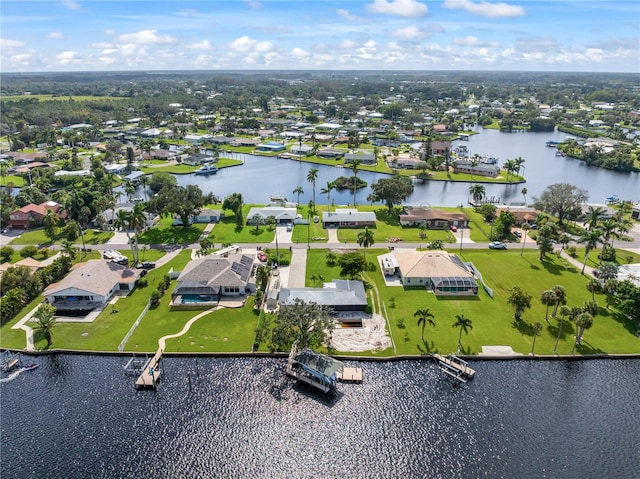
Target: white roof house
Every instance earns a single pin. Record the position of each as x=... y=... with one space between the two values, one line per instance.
x=282 y=214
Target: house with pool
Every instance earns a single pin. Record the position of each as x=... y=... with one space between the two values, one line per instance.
x=205 y=282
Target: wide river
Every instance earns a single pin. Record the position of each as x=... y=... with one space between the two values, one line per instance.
x=80 y=417
x=261 y=177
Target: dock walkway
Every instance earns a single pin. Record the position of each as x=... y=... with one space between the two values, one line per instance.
x=151 y=372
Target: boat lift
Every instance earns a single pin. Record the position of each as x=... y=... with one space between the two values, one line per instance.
x=454 y=366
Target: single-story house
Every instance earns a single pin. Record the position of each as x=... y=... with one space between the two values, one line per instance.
x=206 y=280
x=433 y=219
x=403 y=161
x=208 y=216
x=199 y=159
x=31 y=215
x=33 y=264
x=91 y=285
x=438 y=271
x=282 y=214
x=339 y=295
x=332 y=153
x=481 y=169
x=364 y=157
x=271 y=146
x=635 y=212
x=385 y=142
x=523 y=215
x=245 y=142
x=116 y=168
x=302 y=150
x=134 y=177
x=348 y=217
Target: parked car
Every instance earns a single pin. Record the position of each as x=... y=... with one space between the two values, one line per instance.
x=146 y=265
x=517 y=233
x=120 y=259
x=316 y=219
x=497 y=245
x=289 y=227
x=262 y=256
x=453 y=228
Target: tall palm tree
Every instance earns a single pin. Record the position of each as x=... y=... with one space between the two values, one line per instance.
x=465 y=325
x=518 y=162
x=298 y=191
x=354 y=167
x=121 y=221
x=510 y=166
x=593 y=216
x=365 y=239
x=524 y=192
x=520 y=300
x=327 y=191
x=137 y=221
x=561 y=298
x=425 y=316
x=68 y=249
x=477 y=192
x=590 y=239
x=45 y=317
x=548 y=298
x=144 y=182
x=537 y=327
x=583 y=322
x=525 y=227
x=564 y=311
x=593 y=286
x=312 y=177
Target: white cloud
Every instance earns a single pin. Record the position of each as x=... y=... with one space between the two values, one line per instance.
x=253 y=5
x=347 y=44
x=246 y=44
x=486 y=9
x=6 y=43
x=146 y=37
x=71 y=5
x=467 y=41
x=401 y=8
x=109 y=31
x=410 y=33
x=68 y=57
x=56 y=35
x=346 y=15
x=299 y=54
x=201 y=45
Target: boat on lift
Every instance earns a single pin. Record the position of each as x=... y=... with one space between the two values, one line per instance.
x=208 y=169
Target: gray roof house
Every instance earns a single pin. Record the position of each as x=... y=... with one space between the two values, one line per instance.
x=345 y=217
x=364 y=157
x=282 y=214
x=90 y=285
x=204 y=281
x=340 y=295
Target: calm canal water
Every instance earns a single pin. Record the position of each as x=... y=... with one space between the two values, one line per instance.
x=80 y=417
x=261 y=177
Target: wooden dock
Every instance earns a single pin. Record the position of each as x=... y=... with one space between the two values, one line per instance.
x=151 y=372
x=454 y=367
x=350 y=375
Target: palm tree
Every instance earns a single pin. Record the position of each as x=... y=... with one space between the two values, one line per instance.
x=424 y=316
x=583 y=322
x=520 y=300
x=137 y=221
x=365 y=239
x=593 y=286
x=537 y=327
x=45 y=318
x=548 y=297
x=564 y=311
x=121 y=221
x=477 y=192
x=510 y=166
x=518 y=162
x=298 y=191
x=327 y=191
x=590 y=239
x=525 y=227
x=593 y=216
x=465 y=325
x=524 y=192
x=354 y=167
x=68 y=249
x=144 y=182
x=561 y=298
x=312 y=177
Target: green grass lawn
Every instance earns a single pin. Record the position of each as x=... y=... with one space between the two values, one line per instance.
x=175 y=169
x=37 y=237
x=493 y=322
x=224 y=330
x=109 y=329
x=166 y=233
x=16 y=180
x=226 y=231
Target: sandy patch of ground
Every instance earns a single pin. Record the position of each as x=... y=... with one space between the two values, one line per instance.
x=371 y=337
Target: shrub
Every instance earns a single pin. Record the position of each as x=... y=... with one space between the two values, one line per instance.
x=44 y=252
x=6 y=252
x=142 y=283
x=29 y=251
x=401 y=324
x=609 y=254
x=155 y=297
x=571 y=251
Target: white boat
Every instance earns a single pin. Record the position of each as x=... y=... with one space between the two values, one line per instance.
x=277 y=198
x=208 y=169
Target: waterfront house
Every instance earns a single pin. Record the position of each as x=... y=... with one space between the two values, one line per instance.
x=339 y=295
x=91 y=285
x=522 y=215
x=348 y=217
x=433 y=219
x=330 y=153
x=282 y=214
x=32 y=215
x=440 y=147
x=301 y=150
x=206 y=215
x=270 y=147
x=364 y=157
x=438 y=271
x=206 y=280
x=480 y=169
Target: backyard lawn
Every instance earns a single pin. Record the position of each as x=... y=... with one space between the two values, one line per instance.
x=37 y=237
x=226 y=231
x=165 y=233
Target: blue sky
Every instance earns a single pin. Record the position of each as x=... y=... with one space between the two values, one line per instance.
x=598 y=36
